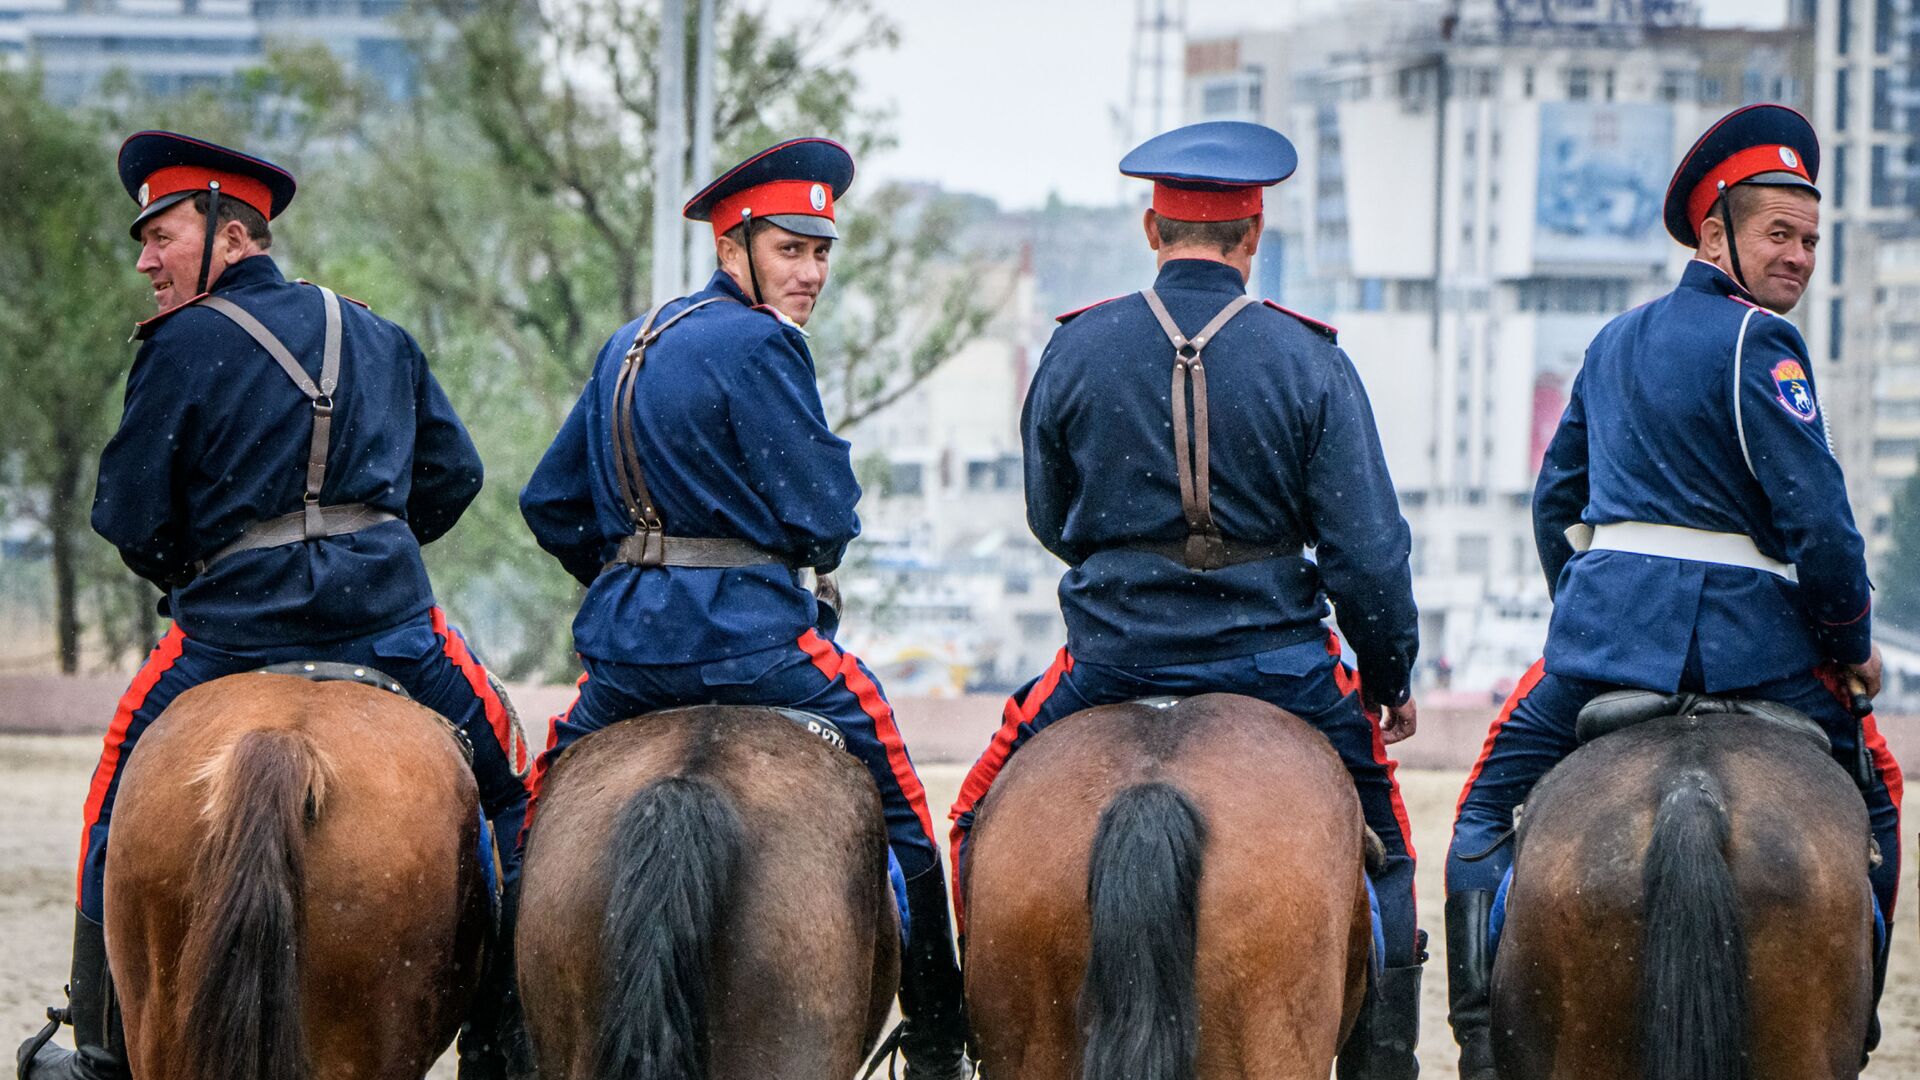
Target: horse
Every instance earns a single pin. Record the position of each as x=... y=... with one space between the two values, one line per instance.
x=293 y=891
x=1689 y=899
x=706 y=894
x=1162 y=893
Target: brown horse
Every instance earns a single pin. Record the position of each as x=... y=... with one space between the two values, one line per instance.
x=293 y=891
x=1158 y=893
x=706 y=895
x=1689 y=902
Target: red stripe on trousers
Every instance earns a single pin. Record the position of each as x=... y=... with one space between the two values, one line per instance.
x=1520 y=691
x=1347 y=681
x=159 y=662
x=980 y=778
x=831 y=660
x=456 y=649
x=545 y=761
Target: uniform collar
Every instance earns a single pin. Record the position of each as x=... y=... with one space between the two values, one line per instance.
x=1204 y=275
x=723 y=283
x=1704 y=276
x=252 y=270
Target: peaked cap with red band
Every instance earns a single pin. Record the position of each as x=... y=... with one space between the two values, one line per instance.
x=160 y=168
x=1213 y=171
x=1769 y=145
x=791 y=184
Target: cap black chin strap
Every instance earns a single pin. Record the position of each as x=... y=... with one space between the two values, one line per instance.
x=213 y=229
x=1726 y=219
x=746 y=234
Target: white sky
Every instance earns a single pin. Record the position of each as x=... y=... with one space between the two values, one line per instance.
x=1016 y=98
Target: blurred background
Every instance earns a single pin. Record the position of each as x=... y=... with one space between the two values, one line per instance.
x=1479 y=192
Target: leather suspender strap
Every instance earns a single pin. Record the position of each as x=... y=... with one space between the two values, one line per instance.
x=320 y=396
x=1205 y=549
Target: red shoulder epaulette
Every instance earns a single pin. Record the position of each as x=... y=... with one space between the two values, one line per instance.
x=1325 y=330
x=780 y=316
x=144 y=330
x=1751 y=304
x=1077 y=312
x=341 y=295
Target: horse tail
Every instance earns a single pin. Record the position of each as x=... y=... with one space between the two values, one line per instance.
x=1693 y=981
x=1137 y=1003
x=675 y=848
x=243 y=949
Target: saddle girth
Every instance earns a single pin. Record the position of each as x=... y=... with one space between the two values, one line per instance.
x=1205 y=548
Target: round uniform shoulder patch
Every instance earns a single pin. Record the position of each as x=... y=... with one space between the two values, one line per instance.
x=1795 y=393
x=818 y=197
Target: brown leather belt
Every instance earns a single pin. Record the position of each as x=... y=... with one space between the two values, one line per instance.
x=1216 y=552
x=1205 y=548
x=655 y=549
x=297 y=526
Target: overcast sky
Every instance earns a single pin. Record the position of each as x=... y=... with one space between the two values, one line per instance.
x=1015 y=98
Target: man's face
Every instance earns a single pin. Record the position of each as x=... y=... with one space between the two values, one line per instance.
x=170 y=246
x=792 y=269
x=1778 y=229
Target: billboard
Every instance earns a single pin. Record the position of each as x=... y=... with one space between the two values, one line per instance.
x=1603 y=174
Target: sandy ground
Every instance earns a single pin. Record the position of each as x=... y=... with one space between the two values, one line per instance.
x=43 y=784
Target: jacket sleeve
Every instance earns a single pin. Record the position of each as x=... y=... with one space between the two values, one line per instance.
x=557 y=502
x=1785 y=443
x=447 y=473
x=1560 y=493
x=1051 y=481
x=793 y=460
x=1363 y=544
x=135 y=503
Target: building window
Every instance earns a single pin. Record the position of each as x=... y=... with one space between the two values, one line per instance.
x=1882 y=100
x=1836 y=253
x=1883 y=189
x=1709 y=89
x=1608 y=83
x=1579 y=84
x=1836 y=327
x=1841 y=99
x=1843 y=20
x=1526 y=84
x=1885 y=20
x=1673 y=85
x=1840 y=176
x=905 y=478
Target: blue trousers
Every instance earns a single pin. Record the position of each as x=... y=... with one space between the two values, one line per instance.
x=1536 y=730
x=1307 y=680
x=427 y=656
x=812 y=674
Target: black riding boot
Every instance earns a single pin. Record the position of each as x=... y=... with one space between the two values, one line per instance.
x=1470 y=981
x=1382 y=1044
x=93 y=1011
x=1879 y=986
x=935 y=1037
x=493 y=1042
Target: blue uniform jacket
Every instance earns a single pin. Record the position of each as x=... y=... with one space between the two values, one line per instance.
x=1650 y=435
x=1296 y=460
x=214 y=437
x=735 y=444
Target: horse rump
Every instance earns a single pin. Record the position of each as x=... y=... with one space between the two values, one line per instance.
x=675 y=850
x=241 y=957
x=1138 y=1010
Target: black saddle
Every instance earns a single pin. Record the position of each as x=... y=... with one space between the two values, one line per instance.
x=331 y=671
x=1617 y=710
x=814 y=724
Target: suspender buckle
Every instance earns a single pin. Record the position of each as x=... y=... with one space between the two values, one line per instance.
x=1205 y=551
x=653 y=545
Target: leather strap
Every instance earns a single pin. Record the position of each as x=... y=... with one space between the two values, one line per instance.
x=649 y=548
x=1205 y=549
x=292 y=528
x=629 y=476
x=1231 y=552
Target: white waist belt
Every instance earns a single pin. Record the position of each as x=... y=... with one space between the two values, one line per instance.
x=1677 y=542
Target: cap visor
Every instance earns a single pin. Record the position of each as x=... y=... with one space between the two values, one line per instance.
x=804 y=225
x=158 y=206
x=1782 y=179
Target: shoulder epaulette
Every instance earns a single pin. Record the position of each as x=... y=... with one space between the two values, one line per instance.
x=1325 y=330
x=341 y=295
x=781 y=317
x=143 y=331
x=1077 y=312
x=1754 y=306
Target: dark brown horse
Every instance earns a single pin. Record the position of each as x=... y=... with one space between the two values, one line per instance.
x=1167 y=893
x=705 y=895
x=1689 y=902
x=292 y=890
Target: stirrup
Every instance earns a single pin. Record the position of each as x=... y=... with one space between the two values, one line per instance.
x=56 y=1016
x=889 y=1052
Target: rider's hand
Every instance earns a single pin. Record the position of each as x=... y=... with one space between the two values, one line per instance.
x=1399 y=721
x=1864 y=678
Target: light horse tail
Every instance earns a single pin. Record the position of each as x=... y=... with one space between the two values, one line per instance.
x=241 y=957
x=676 y=847
x=1138 y=1008
x=1693 y=982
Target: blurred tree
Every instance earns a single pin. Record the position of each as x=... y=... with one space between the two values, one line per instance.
x=1898 y=599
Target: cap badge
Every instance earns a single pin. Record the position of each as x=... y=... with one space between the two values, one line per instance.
x=818 y=197
x=1791 y=159
x=145 y=196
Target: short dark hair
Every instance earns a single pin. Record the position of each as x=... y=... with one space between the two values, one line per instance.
x=235 y=210
x=738 y=234
x=1223 y=235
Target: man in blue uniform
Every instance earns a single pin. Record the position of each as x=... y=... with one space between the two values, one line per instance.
x=694 y=480
x=282 y=455
x=1187 y=554
x=1691 y=519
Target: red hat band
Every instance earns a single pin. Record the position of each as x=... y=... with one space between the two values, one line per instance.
x=808 y=198
x=1190 y=204
x=177 y=178
x=1741 y=167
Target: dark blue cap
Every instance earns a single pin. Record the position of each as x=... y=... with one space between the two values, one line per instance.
x=792 y=184
x=1212 y=171
x=1757 y=144
x=160 y=168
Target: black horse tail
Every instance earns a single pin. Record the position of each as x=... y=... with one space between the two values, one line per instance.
x=1137 y=1004
x=1693 y=979
x=675 y=848
x=242 y=951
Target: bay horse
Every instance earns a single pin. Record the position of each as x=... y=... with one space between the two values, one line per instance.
x=1158 y=893
x=1689 y=901
x=705 y=895
x=293 y=890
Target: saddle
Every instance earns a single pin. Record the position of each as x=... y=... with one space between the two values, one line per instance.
x=1617 y=710
x=814 y=724
x=332 y=671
